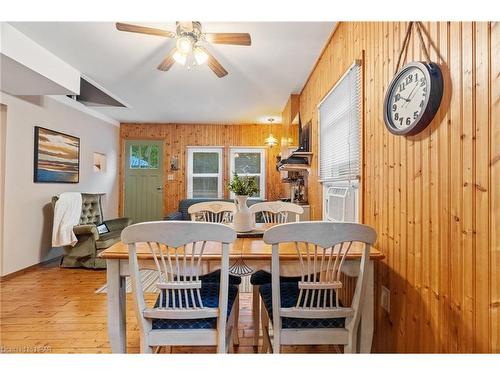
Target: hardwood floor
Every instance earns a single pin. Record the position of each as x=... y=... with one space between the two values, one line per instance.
x=48 y=309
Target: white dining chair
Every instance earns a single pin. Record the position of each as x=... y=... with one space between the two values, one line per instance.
x=212 y=212
x=277 y=212
x=187 y=311
x=217 y=212
x=309 y=311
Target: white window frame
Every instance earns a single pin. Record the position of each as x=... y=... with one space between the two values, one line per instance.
x=352 y=185
x=191 y=150
x=262 y=174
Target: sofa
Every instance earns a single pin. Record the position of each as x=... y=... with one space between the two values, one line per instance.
x=90 y=242
x=184 y=204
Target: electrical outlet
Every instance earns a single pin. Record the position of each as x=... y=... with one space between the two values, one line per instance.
x=385 y=299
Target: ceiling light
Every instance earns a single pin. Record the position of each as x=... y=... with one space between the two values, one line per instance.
x=271 y=140
x=185 y=45
x=180 y=57
x=200 y=56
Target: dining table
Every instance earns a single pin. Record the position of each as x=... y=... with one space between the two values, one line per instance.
x=249 y=248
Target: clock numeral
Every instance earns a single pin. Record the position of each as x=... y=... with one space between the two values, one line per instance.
x=416 y=77
x=422 y=104
x=396 y=116
x=402 y=87
x=394 y=107
x=409 y=79
x=422 y=82
x=408 y=121
x=397 y=97
x=401 y=121
x=415 y=115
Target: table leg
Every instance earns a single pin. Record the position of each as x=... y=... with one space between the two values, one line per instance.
x=367 y=314
x=117 y=330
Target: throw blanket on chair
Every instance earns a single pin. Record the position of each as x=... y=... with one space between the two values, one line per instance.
x=67 y=213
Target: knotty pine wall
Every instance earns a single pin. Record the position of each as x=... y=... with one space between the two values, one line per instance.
x=434 y=198
x=176 y=138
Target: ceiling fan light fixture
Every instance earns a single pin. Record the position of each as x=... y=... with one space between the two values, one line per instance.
x=185 y=44
x=180 y=57
x=200 y=56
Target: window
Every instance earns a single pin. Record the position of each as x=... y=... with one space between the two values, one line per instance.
x=249 y=162
x=339 y=157
x=204 y=172
x=144 y=156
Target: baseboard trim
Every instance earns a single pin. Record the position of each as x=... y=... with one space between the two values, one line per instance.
x=30 y=268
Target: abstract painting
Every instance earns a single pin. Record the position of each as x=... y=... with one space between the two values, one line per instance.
x=57 y=157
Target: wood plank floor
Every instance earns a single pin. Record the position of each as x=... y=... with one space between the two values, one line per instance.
x=53 y=310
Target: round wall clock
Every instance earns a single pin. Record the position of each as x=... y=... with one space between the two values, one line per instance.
x=413 y=98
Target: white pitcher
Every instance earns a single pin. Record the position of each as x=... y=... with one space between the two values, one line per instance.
x=243 y=218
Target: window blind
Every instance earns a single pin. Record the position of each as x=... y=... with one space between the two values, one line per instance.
x=340 y=122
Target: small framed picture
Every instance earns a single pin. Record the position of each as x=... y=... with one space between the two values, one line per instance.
x=102 y=228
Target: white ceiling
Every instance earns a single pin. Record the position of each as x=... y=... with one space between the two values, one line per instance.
x=260 y=79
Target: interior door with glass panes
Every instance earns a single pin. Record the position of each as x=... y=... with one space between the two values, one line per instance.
x=143 y=180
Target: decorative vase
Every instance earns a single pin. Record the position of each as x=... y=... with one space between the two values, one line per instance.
x=243 y=218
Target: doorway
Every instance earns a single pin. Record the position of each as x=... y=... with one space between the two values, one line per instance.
x=143 y=187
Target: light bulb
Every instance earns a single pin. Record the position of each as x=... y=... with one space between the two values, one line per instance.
x=200 y=56
x=180 y=57
x=185 y=45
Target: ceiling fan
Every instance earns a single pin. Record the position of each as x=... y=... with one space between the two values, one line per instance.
x=189 y=47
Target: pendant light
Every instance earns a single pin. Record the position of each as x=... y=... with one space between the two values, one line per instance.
x=271 y=141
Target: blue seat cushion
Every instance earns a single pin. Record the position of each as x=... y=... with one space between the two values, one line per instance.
x=289 y=293
x=210 y=297
x=262 y=277
x=214 y=277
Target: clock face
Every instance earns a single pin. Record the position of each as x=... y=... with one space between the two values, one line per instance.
x=413 y=98
x=408 y=98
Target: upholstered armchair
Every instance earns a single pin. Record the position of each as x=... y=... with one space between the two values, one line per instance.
x=90 y=242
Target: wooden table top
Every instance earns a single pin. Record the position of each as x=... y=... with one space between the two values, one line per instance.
x=248 y=248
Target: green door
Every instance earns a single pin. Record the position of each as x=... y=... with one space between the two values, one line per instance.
x=143 y=180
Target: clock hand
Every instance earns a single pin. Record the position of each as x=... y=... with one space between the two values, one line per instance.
x=410 y=97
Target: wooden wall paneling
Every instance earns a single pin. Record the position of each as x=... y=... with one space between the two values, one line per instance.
x=456 y=169
x=434 y=269
x=494 y=184
x=466 y=235
x=481 y=192
x=432 y=197
x=444 y=196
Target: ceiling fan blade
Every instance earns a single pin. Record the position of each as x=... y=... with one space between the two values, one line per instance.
x=213 y=64
x=144 y=30
x=240 y=39
x=167 y=62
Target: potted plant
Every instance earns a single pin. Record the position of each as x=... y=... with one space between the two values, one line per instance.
x=243 y=187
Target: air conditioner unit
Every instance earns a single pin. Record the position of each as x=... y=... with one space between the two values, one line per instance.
x=340 y=201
